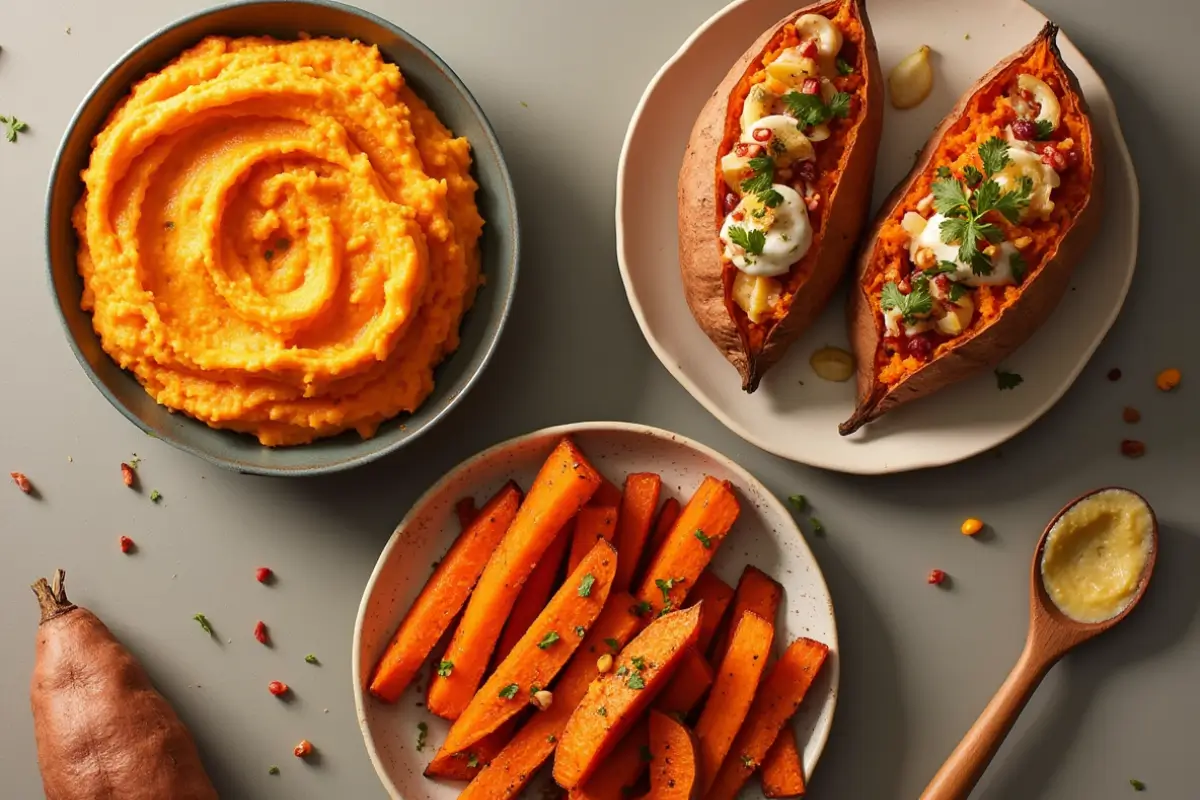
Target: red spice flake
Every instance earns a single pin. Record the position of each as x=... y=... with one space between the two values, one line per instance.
x=263 y=574
x=1132 y=448
x=127 y=475
x=1131 y=415
x=936 y=577
x=126 y=544
x=22 y=482
x=278 y=688
x=260 y=632
x=1114 y=374
x=303 y=749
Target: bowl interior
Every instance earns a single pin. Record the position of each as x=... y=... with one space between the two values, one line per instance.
x=765 y=535
x=445 y=94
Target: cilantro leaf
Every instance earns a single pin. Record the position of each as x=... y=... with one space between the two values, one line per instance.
x=950 y=197
x=994 y=155
x=911 y=305
x=957 y=290
x=510 y=691
x=639 y=663
x=472 y=760
x=1008 y=380
x=422 y=735
x=613 y=644
x=1012 y=203
x=839 y=105
x=622 y=671
x=704 y=539
x=550 y=638
x=843 y=67
x=585 y=585
x=770 y=198
x=580 y=631
x=1016 y=263
x=942 y=267
x=763 y=177
x=640 y=609
x=972 y=175
x=943 y=172
x=817 y=528
x=444 y=668
x=12 y=127
x=752 y=240
x=1044 y=128
x=797 y=501
x=636 y=682
x=810 y=109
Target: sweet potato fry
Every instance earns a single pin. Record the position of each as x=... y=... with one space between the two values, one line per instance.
x=733 y=691
x=511 y=769
x=667 y=515
x=689 y=547
x=757 y=592
x=638 y=504
x=615 y=701
x=592 y=523
x=687 y=686
x=465 y=766
x=607 y=495
x=716 y=595
x=782 y=691
x=466 y=511
x=675 y=760
x=444 y=595
x=783 y=768
x=535 y=593
x=565 y=482
x=541 y=653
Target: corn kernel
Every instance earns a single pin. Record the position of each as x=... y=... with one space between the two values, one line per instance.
x=972 y=526
x=604 y=663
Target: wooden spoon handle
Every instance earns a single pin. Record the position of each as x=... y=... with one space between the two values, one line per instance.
x=965 y=766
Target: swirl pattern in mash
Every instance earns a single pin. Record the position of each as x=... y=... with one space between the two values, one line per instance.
x=279 y=238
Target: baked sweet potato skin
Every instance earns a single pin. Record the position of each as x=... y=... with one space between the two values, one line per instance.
x=102 y=730
x=1043 y=288
x=705 y=278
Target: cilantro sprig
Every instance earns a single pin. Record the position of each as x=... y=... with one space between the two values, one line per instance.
x=762 y=181
x=751 y=240
x=916 y=303
x=811 y=109
x=13 y=127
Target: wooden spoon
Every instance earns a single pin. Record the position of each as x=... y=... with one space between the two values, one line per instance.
x=1051 y=634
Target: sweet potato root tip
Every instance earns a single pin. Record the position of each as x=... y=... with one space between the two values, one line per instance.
x=783 y=768
x=638 y=504
x=565 y=482
x=541 y=653
x=444 y=594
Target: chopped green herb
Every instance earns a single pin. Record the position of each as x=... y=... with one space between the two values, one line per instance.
x=422 y=735
x=613 y=644
x=839 y=105
x=817 y=527
x=552 y=738
x=942 y=171
x=622 y=671
x=916 y=303
x=752 y=241
x=636 y=682
x=665 y=586
x=534 y=688
x=580 y=631
x=639 y=663
x=472 y=761
x=205 y=625
x=809 y=109
x=770 y=198
x=550 y=638
x=798 y=501
x=704 y=539
x=640 y=609
x=445 y=669
x=843 y=67
x=748 y=762
x=585 y=585
x=155 y=495
x=994 y=155
x=957 y=290
x=272 y=770
x=12 y=127
x=972 y=176
x=602 y=711
x=1016 y=263
x=1007 y=380
x=510 y=691
x=763 y=177
x=310 y=658
x=135 y=461
x=1137 y=785
x=1044 y=128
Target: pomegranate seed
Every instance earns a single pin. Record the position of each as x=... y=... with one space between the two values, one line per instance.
x=1052 y=156
x=1114 y=374
x=920 y=346
x=1131 y=415
x=1132 y=448
x=731 y=201
x=126 y=474
x=808 y=49
x=943 y=285
x=741 y=149
x=810 y=86
x=260 y=632
x=738 y=216
x=762 y=134
x=936 y=577
x=904 y=286
x=1073 y=158
x=22 y=482
x=126 y=544
x=263 y=574
x=303 y=749
x=807 y=170
x=277 y=688
x=1025 y=129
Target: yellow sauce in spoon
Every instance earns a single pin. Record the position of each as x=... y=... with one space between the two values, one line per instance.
x=1096 y=553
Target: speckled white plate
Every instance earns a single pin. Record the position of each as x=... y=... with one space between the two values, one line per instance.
x=794 y=414
x=765 y=535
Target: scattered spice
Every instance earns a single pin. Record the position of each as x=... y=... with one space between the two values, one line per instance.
x=613 y=643
x=602 y=711
x=260 y=632
x=305 y=748
x=311 y=659
x=971 y=526
x=1131 y=415
x=422 y=735
x=22 y=482
x=12 y=127
x=126 y=544
x=472 y=761
x=1168 y=379
x=263 y=574
x=272 y=770
x=277 y=688
x=640 y=609
x=936 y=577
x=748 y=762
x=126 y=474
x=1114 y=374
x=155 y=495
x=205 y=625
x=1132 y=448
x=1137 y=785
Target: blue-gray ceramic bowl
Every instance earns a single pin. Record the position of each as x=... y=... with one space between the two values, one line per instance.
x=434 y=81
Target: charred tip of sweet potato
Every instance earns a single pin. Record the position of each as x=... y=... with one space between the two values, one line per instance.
x=52 y=597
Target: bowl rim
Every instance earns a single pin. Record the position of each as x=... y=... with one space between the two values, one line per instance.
x=773 y=503
x=492 y=338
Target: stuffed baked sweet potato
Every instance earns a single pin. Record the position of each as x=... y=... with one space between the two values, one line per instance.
x=776 y=182
x=973 y=250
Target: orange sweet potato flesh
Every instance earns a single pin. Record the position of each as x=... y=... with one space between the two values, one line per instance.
x=534 y=594
x=591 y=524
x=511 y=769
x=101 y=728
x=607 y=495
x=615 y=700
x=465 y=766
x=716 y=595
x=638 y=504
x=782 y=691
x=783 y=768
x=758 y=593
x=540 y=654
x=691 y=544
x=443 y=596
x=675 y=760
x=563 y=485
x=733 y=691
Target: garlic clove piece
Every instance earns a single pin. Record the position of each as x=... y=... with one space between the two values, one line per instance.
x=911 y=81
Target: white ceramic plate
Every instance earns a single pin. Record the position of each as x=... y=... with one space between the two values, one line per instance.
x=765 y=535
x=794 y=414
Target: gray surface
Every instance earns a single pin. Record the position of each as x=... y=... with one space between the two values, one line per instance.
x=918 y=662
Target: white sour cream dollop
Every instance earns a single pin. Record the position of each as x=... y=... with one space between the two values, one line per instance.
x=787 y=231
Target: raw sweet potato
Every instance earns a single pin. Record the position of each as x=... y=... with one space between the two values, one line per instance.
x=690 y=546
x=101 y=728
x=615 y=700
x=536 y=591
x=716 y=595
x=638 y=504
x=563 y=485
x=541 y=652
x=465 y=766
x=592 y=523
x=510 y=770
x=674 y=760
x=757 y=592
x=733 y=691
x=444 y=595
x=782 y=691
x=1029 y=116
x=783 y=767
x=805 y=191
